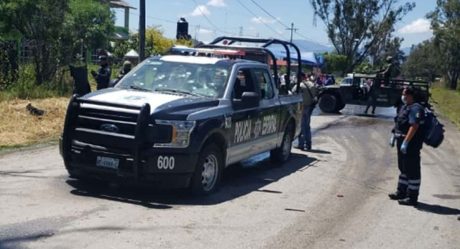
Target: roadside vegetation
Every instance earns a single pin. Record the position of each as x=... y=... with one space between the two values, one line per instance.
x=447 y=102
x=19 y=128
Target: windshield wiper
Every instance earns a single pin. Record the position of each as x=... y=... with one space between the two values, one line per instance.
x=177 y=91
x=139 y=88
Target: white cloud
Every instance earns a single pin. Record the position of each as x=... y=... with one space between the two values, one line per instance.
x=205 y=31
x=216 y=3
x=262 y=20
x=420 y=25
x=200 y=10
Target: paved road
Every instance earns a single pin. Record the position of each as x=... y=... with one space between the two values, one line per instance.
x=332 y=197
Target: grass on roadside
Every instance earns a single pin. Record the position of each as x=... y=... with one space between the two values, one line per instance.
x=19 y=128
x=448 y=103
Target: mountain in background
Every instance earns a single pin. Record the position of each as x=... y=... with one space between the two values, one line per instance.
x=310 y=46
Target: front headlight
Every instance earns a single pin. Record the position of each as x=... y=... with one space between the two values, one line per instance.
x=180 y=137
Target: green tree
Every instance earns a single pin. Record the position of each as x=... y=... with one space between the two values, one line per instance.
x=335 y=62
x=422 y=62
x=88 y=25
x=39 y=22
x=445 y=22
x=356 y=27
x=156 y=43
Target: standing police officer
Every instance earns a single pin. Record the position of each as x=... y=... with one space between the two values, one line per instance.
x=102 y=76
x=409 y=139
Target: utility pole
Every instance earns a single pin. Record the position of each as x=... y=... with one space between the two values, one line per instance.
x=141 y=30
x=292 y=29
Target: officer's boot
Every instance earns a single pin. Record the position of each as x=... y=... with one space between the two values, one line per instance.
x=410 y=200
x=401 y=191
x=398 y=195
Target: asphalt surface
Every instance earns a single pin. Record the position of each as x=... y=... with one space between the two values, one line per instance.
x=334 y=196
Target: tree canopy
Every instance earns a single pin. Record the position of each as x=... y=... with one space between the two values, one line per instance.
x=40 y=23
x=359 y=28
x=445 y=22
x=53 y=29
x=422 y=62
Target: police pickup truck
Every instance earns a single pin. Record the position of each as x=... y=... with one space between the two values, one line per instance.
x=179 y=120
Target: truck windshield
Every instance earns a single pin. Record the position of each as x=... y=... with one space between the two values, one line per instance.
x=207 y=80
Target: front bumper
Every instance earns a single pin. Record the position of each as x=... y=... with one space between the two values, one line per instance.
x=160 y=167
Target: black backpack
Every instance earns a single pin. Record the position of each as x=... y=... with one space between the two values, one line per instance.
x=434 y=130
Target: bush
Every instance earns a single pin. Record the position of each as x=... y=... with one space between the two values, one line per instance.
x=25 y=87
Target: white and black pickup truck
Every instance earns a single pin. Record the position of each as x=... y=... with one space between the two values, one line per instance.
x=178 y=121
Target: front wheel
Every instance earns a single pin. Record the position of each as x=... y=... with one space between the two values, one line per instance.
x=283 y=153
x=208 y=171
x=328 y=103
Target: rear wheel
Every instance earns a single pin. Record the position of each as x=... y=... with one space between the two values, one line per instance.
x=328 y=103
x=208 y=171
x=282 y=153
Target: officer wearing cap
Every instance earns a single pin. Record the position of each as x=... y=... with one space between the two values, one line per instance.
x=102 y=76
x=408 y=133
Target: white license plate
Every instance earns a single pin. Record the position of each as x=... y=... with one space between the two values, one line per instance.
x=107 y=162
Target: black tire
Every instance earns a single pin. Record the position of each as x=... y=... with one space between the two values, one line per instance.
x=340 y=106
x=282 y=154
x=328 y=103
x=208 y=170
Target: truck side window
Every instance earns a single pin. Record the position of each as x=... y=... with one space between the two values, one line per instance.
x=263 y=79
x=243 y=83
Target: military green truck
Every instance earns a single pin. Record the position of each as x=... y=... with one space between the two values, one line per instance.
x=333 y=98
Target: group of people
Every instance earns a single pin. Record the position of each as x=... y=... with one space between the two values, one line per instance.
x=102 y=76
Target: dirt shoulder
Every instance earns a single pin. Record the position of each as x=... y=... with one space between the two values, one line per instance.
x=21 y=126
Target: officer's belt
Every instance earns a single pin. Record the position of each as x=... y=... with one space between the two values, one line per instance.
x=399 y=135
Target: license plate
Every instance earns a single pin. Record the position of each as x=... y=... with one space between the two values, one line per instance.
x=107 y=162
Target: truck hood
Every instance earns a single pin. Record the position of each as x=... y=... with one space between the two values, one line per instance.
x=160 y=102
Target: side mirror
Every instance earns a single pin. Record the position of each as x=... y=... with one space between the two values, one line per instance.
x=248 y=100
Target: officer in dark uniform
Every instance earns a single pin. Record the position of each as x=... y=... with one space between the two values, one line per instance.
x=102 y=76
x=408 y=133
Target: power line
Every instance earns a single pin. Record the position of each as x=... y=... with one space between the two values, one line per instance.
x=207 y=19
x=252 y=13
x=279 y=21
x=199 y=26
x=268 y=13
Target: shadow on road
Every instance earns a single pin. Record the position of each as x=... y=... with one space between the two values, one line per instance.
x=437 y=209
x=317 y=151
x=358 y=110
x=240 y=179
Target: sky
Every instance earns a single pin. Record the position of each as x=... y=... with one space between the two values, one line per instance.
x=209 y=19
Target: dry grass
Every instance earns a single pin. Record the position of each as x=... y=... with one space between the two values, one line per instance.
x=19 y=128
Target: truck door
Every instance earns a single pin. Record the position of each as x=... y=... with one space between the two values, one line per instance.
x=245 y=104
x=268 y=121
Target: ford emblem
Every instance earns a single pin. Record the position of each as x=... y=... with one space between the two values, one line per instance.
x=109 y=128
